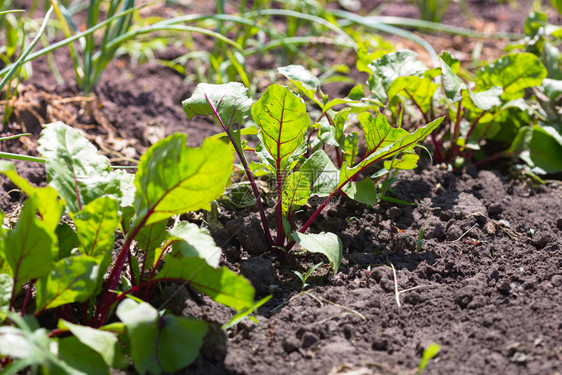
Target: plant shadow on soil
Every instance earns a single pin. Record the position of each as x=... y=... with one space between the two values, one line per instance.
x=481 y=286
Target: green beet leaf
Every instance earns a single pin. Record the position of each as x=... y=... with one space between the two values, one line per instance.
x=363 y=191
x=552 y=88
x=29 y=248
x=151 y=237
x=174 y=179
x=303 y=79
x=103 y=342
x=451 y=61
x=193 y=241
x=513 y=73
x=230 y=101
x=228 y=104
x=30 y=345
x=95 y=228
x=68 y=240
x=75 y=168
x=391 y=66
x=419 y=90
x=282 y=121
x=407 y=161
x=72 y=280
x=49 y=206
x=406 y=143
x=540 y=147
x=378 y=132
x=323 y=243
x=296 y=192
x=6 y=287
x=81 y=357
x=160 y=343
x=222 y=285
x=452 y=84
x=485 y=100
x=321 y=172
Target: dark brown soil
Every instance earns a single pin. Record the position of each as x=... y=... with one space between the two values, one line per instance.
x=485 y=282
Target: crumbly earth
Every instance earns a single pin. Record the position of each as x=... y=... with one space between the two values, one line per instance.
x=484 y=281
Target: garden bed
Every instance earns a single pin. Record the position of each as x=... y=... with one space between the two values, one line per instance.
x=483 y=280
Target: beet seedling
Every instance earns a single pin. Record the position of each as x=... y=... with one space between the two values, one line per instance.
x=77 y=280
x=283 y=128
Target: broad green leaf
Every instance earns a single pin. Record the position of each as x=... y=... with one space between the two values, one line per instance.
x=74 y=167
x=72 y=280
x=103 y=342
x=95 y=227
x=377 y=131
x=364 y=57
x=222 y=285
x=296 y=191
x=321 y=172
x=323 y=243
x=150 y=237
x=6 y=287
x=486 y=100
x=419 y=90
x=193 y=241
x=30 y=345
x=49 y=205
x=451 y=61
x=392 y=65
x=303 y=79
x=513 y=73
x=282 y=121
x=68 y=240
x=452 y=84
x=552 y=88
x=81 y=357
x=160 y=343
x=230 y=101
x=407 y=161
x=363 y=191
x=406 y=143
x=174 y=179
x=351 y=147
x=540 y=147
x=29 y=247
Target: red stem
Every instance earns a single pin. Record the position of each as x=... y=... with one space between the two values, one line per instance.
x=27 y=296
x=253 y=184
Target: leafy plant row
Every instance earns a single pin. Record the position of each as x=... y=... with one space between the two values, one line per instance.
x=57 y=260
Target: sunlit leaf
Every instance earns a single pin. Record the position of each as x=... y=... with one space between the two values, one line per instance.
x=222 y=285
x=174 y=179
x=193 y=241
x=321 y=172
x=160 y=343
x=282 y=120
x=72 y=280
x=103 y=342
x=323 y=243
x=513 y=73
x=95 y=227
x=296 y=192
x=74 y=167
x=392 y=65
x=29 y=248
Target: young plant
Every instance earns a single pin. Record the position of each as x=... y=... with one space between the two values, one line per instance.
x=283 y=128
x=68 y=261
x=304 y=278
x=492 y=108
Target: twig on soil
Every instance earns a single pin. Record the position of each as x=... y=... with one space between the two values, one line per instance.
x=464 y=234
x=396 y=292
